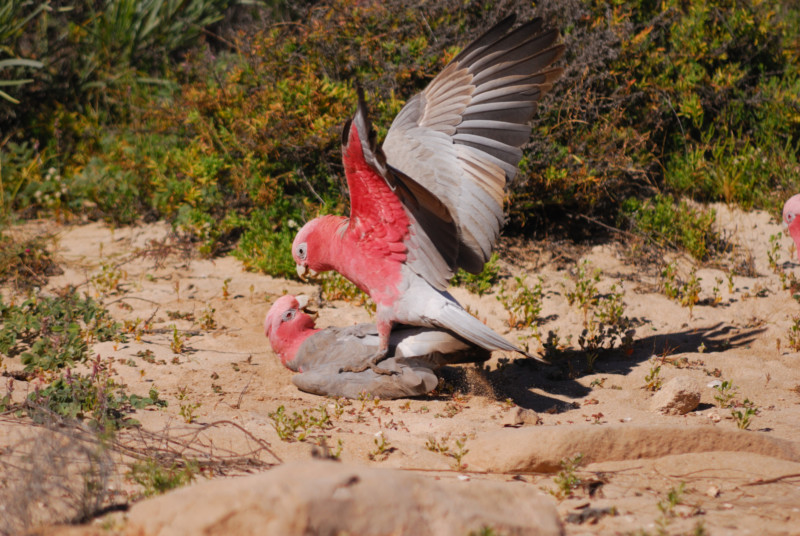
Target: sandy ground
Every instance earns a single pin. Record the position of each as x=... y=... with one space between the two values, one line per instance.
x=230 y=374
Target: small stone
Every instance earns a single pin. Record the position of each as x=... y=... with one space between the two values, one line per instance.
x=714 y=417
x=517 y=416
x=679 y=396
x=712 y=491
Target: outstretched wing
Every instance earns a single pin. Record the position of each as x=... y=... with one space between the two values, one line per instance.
x=392 y=215
x=459 y=141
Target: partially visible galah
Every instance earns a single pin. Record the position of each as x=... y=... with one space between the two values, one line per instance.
x=319 y=355
x=430 y=200
x=791 y=211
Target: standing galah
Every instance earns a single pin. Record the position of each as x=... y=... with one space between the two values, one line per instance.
x=319 y=355
x=430 y=200
x=791 y=209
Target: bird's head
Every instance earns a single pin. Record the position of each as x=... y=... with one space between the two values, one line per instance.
x=287 y=325
x=791 y=219
x=311 y=246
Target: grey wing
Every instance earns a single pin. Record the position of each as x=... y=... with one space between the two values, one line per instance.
x=460 y=140
x=349 y=346
x=408 y=380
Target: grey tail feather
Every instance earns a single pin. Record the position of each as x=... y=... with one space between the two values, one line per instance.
x=459 y=321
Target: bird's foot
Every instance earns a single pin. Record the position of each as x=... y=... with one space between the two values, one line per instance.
x=372 y=365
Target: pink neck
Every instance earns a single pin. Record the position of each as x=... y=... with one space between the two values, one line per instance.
x=287 y=348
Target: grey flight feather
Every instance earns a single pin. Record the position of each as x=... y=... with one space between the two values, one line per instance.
x=460 y=141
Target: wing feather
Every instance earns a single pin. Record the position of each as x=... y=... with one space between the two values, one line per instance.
x=459 y=140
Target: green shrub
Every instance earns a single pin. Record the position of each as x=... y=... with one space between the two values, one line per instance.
x=671 y=224
x=237 y=137
x=51 y=333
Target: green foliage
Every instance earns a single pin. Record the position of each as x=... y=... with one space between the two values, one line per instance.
x=672 y=224
x=50 y=333
x=457 y=450
x=794 y=334
x=133 y=116
x=383 y=447
x=566 y=480
x=94 y=396
x=653 y=380
x=25 y=262
x=744 y=416
x=480 y=283
x=91 y=47
x=157 y=478
x=604 y=320
x=726 y=392
x=523 y=303
x=667 y=507
x=299 y=426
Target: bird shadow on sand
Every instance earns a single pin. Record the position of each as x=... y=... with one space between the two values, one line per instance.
x=531 y=385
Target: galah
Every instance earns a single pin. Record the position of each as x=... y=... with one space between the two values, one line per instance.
x=430 y=200
x=791 y=210
x=415 y=353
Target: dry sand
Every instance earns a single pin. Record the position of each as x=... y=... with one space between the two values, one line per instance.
x=735 y=482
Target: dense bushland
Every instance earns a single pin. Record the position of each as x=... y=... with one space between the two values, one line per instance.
x=226 y=119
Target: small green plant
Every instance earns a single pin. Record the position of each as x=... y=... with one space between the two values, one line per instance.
x=299 y=426
x=669 y=281
x=337 y=287
x=382 y=447
x=585 y=292
x=457 y=450
x=178 y=341
x=774 y=252
x=686 y=293
x=25 y=262
x=94 y=397
x=481 y=283
x=51 y=333
x=716 y=298
x=156 y=478
x=553 y=346
x=690 y=292
x=726 y=392
x=567 y=480
x=207 y=321
x=667 y=507
x=653 y=380
x=187 y=408
x=108 y=280
x=523 y=303
x=794 y=334
x=604 y=320
x=225 y=291
x=674 y=224
x=744 y=416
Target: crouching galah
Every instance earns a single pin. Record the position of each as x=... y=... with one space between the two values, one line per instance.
x=430 y=200
x=318 y=355
x=791 y=211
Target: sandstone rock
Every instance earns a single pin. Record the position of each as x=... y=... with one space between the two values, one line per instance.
x=517 y=416
x=328 y=498
x=541 y=448
x=678 y=396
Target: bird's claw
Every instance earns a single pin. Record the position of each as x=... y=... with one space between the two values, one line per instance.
x=372 y=364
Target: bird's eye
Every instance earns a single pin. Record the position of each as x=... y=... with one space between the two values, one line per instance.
x=302 y=251
x=288 y=315
x=790 y=218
